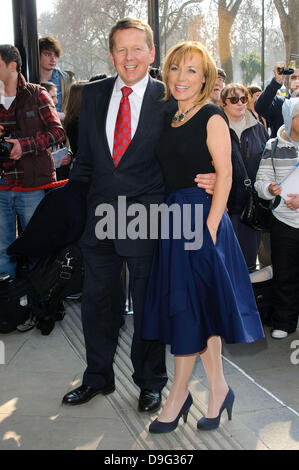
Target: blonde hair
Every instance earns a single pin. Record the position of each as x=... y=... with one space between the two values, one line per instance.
x=177 y=53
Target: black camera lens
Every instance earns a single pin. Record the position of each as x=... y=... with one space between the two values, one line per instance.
x=285 y=71
x=5 y=149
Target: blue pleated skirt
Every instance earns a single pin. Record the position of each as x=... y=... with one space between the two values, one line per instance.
x=197 y=293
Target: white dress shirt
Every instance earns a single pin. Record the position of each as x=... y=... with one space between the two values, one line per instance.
x=135 y=98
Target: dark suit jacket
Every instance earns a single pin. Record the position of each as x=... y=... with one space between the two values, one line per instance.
x=138 y=175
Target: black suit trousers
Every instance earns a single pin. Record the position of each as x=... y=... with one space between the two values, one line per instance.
x=101 y=318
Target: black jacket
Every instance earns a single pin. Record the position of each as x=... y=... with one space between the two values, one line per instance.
x=250 y=148
x=269 y=105
x=138 y=176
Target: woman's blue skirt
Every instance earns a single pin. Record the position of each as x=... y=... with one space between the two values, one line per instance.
x=197 y=293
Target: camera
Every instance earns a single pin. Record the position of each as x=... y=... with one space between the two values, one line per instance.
x=5 y=149
x=290 y=69
x=156 y=73
x=285 y=71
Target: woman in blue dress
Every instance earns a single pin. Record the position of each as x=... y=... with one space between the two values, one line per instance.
x=200 y=290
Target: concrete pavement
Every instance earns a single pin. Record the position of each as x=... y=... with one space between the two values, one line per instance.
x=39 y=370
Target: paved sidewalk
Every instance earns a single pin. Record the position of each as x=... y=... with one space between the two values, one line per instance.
x=39 y=370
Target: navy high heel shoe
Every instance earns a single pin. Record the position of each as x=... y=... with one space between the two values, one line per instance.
x=158 y=427
x=207 y=424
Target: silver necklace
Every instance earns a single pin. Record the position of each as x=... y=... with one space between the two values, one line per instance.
x=180 y=117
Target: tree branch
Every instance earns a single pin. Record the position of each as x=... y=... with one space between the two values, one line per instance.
x=178 y=17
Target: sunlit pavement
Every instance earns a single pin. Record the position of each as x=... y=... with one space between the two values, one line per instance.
x=39 y=370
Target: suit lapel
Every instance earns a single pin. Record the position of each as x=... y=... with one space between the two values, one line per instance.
x=148 y=110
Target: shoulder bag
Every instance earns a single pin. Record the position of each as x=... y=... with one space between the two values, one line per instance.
x=257 y=212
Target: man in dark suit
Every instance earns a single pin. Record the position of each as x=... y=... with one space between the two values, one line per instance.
x=136 y=175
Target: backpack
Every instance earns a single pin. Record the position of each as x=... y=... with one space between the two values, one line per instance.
x=52 y=279
x=15 y=308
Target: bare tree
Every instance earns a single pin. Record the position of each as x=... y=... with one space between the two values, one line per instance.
x=171 y=16
x=82 y=27
x=227 y=12
x=204 y=28
x=288 y=11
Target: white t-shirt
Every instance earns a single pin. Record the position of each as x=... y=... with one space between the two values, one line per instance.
x=7 y=101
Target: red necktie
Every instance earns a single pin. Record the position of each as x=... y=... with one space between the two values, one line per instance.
x=122 y=132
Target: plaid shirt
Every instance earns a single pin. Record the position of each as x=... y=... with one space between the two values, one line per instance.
x=12 y=171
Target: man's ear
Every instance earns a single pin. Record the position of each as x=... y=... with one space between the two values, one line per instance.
x=12 y=66
x=111 y=58
x=152 y=55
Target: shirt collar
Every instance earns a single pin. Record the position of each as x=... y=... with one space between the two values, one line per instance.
x=139 y=87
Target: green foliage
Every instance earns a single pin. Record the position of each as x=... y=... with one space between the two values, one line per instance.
x=250 y=66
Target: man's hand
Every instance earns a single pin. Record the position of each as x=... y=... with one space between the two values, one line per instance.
x=16 y=151
x=66 y=160
x=279 y=78
x=274 y=189
x=206 y=181
x=61 y=115
x=1 y=130
x=293 y=203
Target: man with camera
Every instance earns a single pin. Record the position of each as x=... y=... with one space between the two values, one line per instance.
x=268 y=104
x=29 y=127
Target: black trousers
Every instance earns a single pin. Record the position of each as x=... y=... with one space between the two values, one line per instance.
x=285 y=260
x=101 y=318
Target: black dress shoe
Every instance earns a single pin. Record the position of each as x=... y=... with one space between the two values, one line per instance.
x=84 y=393
x=149 y=400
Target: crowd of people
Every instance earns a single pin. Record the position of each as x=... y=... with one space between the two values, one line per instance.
x=178 y=142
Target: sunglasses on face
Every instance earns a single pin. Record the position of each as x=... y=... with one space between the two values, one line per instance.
x=236 y=99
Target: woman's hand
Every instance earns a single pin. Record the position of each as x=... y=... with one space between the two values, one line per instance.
x=213 y=232
x=293 y=203
x=274 y=189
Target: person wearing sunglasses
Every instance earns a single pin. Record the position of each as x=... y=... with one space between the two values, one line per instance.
x=248 y=141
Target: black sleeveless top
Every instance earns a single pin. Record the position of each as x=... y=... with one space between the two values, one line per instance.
x=182 y=151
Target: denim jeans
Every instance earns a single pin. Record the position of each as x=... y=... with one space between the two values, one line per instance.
x=13 y=204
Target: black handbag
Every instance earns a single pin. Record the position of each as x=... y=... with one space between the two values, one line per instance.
x=257 y=212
